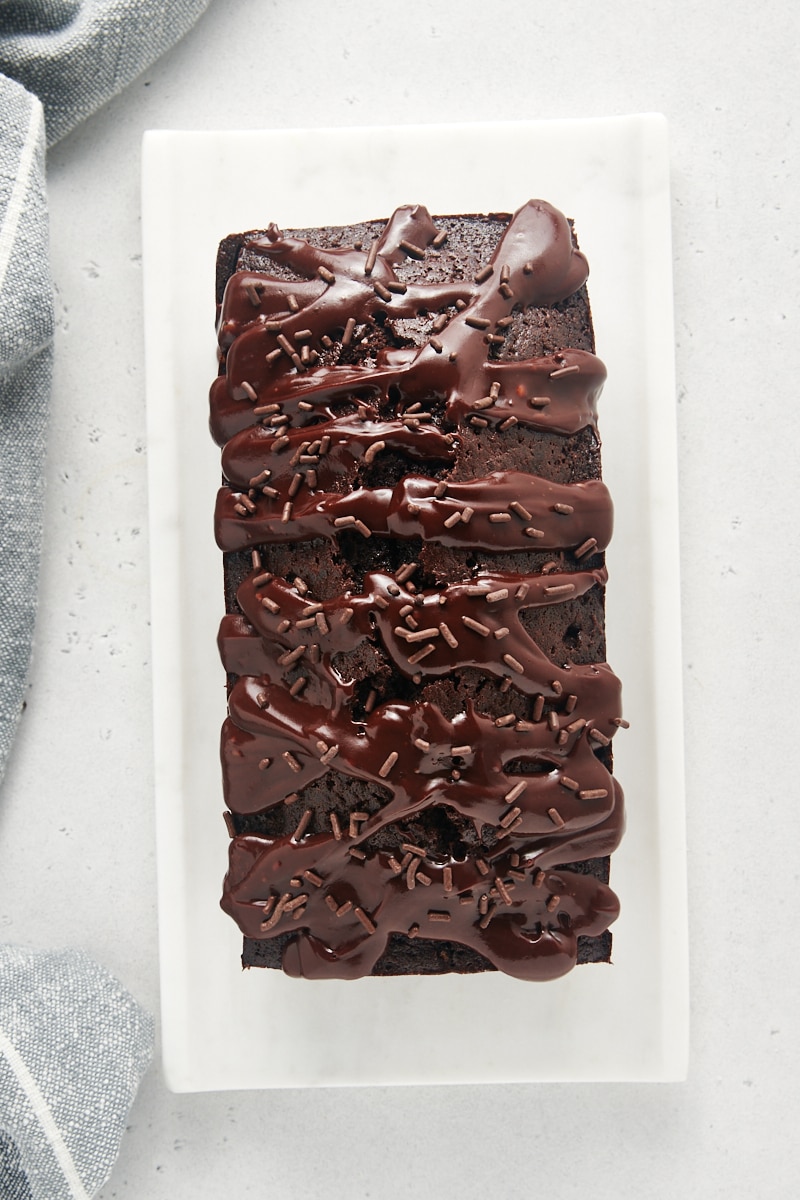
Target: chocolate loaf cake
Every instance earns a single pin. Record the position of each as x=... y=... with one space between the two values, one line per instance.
x=417 y=757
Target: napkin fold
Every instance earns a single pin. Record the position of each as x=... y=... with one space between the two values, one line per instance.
x=26 y=361
x=75 y=54
x=73 y=1044
x=59 y=61
x=73 y=1049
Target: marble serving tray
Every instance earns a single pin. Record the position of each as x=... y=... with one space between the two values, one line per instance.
x=225 y=1028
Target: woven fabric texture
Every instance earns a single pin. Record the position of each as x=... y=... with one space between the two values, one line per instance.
x=59 y=61
x=73 y=1044
x=73 y=1048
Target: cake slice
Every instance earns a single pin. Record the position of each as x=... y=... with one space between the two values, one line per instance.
x=417 y=757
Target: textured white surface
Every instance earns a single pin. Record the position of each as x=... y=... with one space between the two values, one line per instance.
x=76 y=819
x=626 y=1023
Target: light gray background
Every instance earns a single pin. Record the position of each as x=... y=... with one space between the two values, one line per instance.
x=76 y=810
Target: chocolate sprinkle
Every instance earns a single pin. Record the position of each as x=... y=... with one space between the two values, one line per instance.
x=364 y=919
x=302 y=825
x=349 y=329
x=372 y=258
x=388 y=764
x=411 y=249
x=476 y=626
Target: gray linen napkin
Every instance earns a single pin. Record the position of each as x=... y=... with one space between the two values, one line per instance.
x=75 y=54
x=26 y=331
x=73 y=1049
x=73 y=1044
x=59 y=61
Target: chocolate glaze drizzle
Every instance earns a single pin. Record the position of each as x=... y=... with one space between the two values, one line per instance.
x=297 y=426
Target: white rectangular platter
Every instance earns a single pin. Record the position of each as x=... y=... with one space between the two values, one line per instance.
x=225 y=1028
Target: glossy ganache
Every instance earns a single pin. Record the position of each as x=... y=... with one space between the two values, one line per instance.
x=312 y=434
